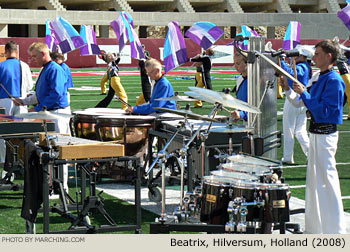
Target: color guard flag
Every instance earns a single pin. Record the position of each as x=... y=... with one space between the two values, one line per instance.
x=68 y=38
x=49 y=39
x=344 y=15
x=205 y=34
x=246 y=32
x=120 y=30
x=89 y=37
x=292 y=36
x=175 y=52
x=125 y=31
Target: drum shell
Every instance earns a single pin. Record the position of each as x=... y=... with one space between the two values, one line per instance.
x=132 y=131
x=84 y=126
x=216 y=197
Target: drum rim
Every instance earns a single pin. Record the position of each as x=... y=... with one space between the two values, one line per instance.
x=244 y=184
x=266 y=170
x=249 y=177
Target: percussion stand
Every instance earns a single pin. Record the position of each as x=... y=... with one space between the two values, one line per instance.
x=162 y=157
x=184 y=149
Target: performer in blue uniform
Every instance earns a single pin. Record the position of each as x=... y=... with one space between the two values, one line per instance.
x=50 y=91
x=294 y=119
x=241 y=86
x=324 y=212
x=51 y=87
x=59 y=59
x=16 y=78
x=162 y=88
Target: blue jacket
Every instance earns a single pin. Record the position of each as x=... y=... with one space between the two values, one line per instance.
x=51 y=90
x=10 y=77
x=69 y=82
x=303 y=72
x=161 y=89
x=242 y=94
x=325 y=100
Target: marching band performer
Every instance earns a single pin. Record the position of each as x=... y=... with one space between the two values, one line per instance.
x=162 y=88
x=16 y=78
x=324 y=212
x=203 y=78
x=294 y=119
x=115 y=86
x=241 y=86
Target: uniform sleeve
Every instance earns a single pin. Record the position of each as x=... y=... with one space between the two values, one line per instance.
x=294 y=98
x=161 y=90
x=324 y=106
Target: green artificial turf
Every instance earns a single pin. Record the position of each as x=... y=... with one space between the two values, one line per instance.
x=10 y=202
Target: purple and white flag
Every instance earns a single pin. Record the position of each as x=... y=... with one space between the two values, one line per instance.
x=292 y=36
x=205 y=34
x=89 y=37
x=68 y=38
x=120 y=30
x=125 y=31
x=344 y=15
x=49 y=39
x=175 y=52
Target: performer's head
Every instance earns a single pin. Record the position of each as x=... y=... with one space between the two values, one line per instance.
x=209 y=52
x=11 y=49
x=241 y=63
x=40 y=53
x=57 y=57
x=326 y=53
x=153 y=69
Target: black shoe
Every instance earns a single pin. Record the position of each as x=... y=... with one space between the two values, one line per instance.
x=103 y=94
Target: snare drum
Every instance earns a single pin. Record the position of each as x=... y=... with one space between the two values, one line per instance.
x=217 y=192
x=84 y=121
x=130 y=130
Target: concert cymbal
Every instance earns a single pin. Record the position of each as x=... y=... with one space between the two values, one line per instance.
x=231 y=129
x=243 y=159
x=199 y=97
x=176 y=98
x=226 y=100
x=44 y=115
x=187 y=113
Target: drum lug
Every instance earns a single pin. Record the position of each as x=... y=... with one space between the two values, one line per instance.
x=230 y=193
x=222 y=192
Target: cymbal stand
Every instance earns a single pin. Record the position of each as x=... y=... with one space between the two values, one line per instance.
x=162 y=157
x=184 y=149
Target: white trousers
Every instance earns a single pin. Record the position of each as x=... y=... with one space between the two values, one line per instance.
x=294 y=125
x=62 y=126
x=324 y=212
x=10 y=109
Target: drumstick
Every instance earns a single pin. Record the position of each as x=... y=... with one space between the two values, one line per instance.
x=125 y=103
x=13 y=98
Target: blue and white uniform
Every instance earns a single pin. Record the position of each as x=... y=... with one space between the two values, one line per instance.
x=51 y=91
x=16 y=77
x=162 y=89
x=324 y=212
x=294 y=119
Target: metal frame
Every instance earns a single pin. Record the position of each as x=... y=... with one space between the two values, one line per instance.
x=46 y=160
